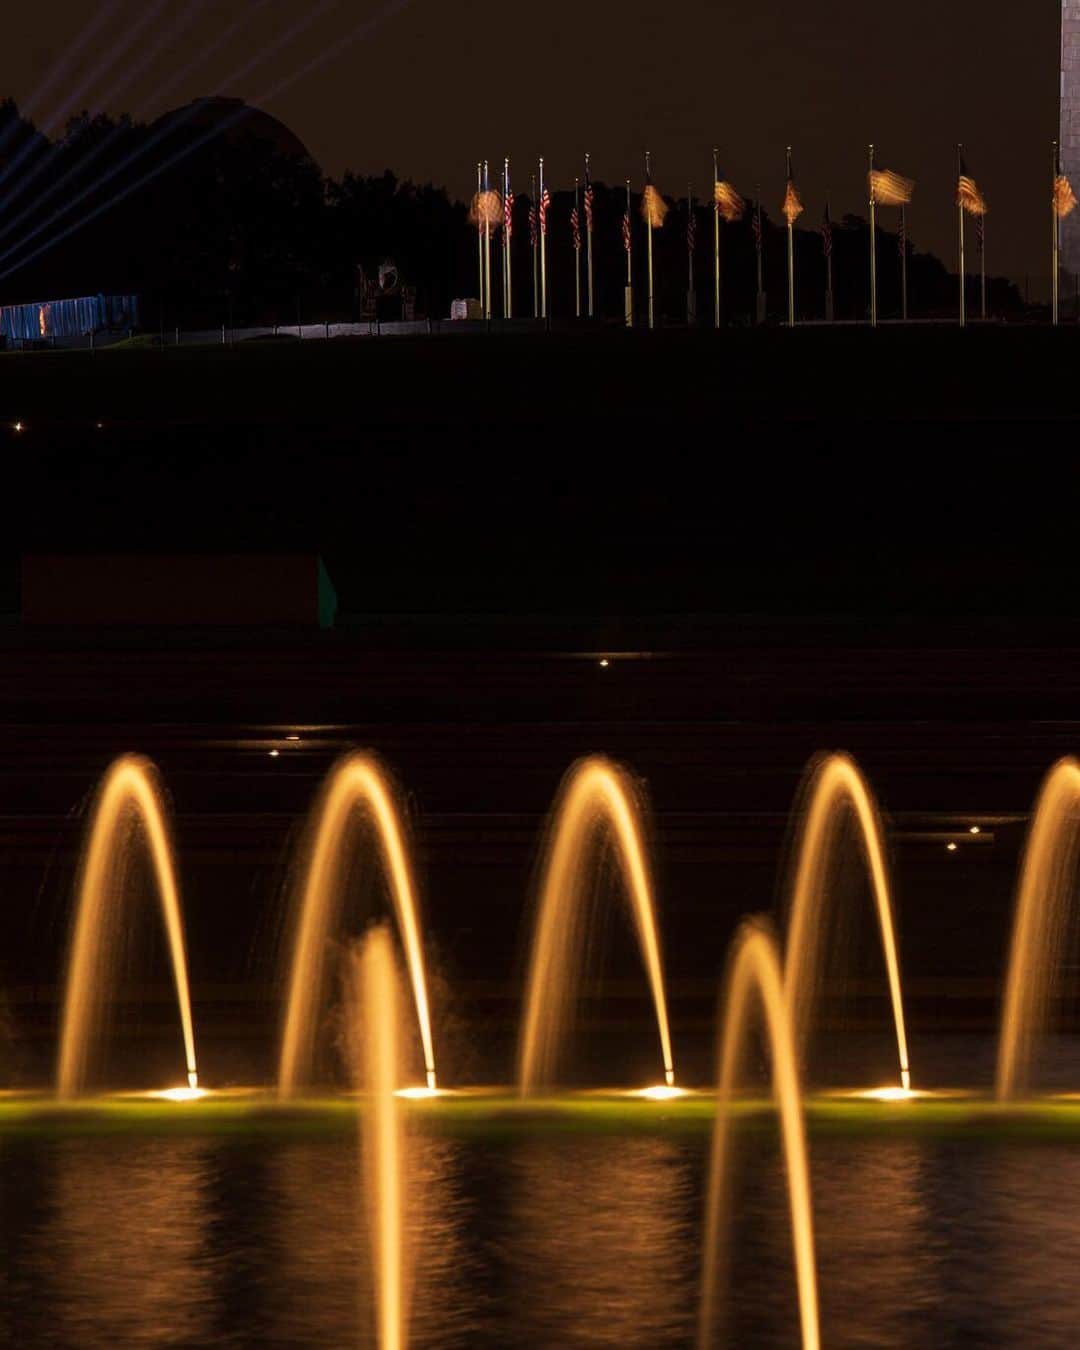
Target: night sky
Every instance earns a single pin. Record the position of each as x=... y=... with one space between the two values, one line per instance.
x=435 y=85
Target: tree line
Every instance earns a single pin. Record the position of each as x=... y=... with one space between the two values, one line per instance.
x=224 y=224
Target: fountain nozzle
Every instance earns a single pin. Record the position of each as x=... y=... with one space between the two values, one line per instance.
x=669 y=1077
x=431 y=1080
x=192 y=1079
x=905 y=1079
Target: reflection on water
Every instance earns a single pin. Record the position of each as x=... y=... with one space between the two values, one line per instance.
x=880 y=1275
x=598 y=1243
x=550 y=1241
x=322 y=1290
x=119 y=1254
x=1010 y=1219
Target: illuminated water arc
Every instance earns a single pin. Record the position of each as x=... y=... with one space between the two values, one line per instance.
x=129 y=792
x=754 y=970
x=376 y=994
x=356 y=781
x=1043 y=900
x=595 y=793
x=837 y=783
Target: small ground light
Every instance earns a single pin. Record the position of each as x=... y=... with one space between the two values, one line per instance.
x=18 y=426
x=951 y=847
x=292 y=738
x=604 y=663
x=975 y=830
x=274 y=754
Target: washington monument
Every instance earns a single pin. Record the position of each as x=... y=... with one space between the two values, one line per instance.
x=1069 y=133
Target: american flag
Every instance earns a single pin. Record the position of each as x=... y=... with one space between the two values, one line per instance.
x=626 y=229
x=889 y=189
x=691 y=229
x=968 y=196
x=729 y=204
x=792 y=208
x=508 y=213
x=545 y=206
x=575 y=228
x=588 y=205
x=826 y=234
x=1064 y=197
x=532 y=224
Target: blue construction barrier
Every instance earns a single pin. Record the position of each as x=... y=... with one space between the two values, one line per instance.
x=69 y=318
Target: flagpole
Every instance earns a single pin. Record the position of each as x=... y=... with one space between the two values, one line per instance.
x=588 y=232
x=648 y=222
x=508 y=226
x=577 y=252
x=960 y=212
x=535 y=242
x=691 y=232
x=873 y=245
x=1056 y=240
x=762 y=309
x=503 y=250
x=982 y=265
x=830 y=309
x=542 y=222
x=629 y=299
x=487 y=243
x=790 y=257
x=716 y=242
x=903 y=261
x=480 y=231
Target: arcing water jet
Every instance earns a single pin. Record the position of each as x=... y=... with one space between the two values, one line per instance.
x=1043 y=900
x=375 y=995
x=357 y=783
x=130 y=795
x=836 y=786
x=596 y=796
x=754 y=970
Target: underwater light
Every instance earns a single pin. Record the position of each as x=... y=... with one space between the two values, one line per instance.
x=662 y=1092
x=181 y=1094
x=414 y=1094
x=888 y=1094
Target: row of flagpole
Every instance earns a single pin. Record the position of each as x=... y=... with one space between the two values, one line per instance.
x=492 y=210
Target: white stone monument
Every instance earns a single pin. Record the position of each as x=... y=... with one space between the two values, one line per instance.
x=1069 y=134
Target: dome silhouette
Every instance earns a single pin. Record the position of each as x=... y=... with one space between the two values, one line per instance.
x=237 y=122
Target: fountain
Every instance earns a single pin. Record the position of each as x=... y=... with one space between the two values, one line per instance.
x=754 y=969
x=595 y=795
x=130 y=795
x=836 y=785
x=357 y=781
x=1043 y=901
x=374 y=998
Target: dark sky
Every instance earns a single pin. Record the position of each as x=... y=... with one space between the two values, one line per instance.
x=441 y=83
